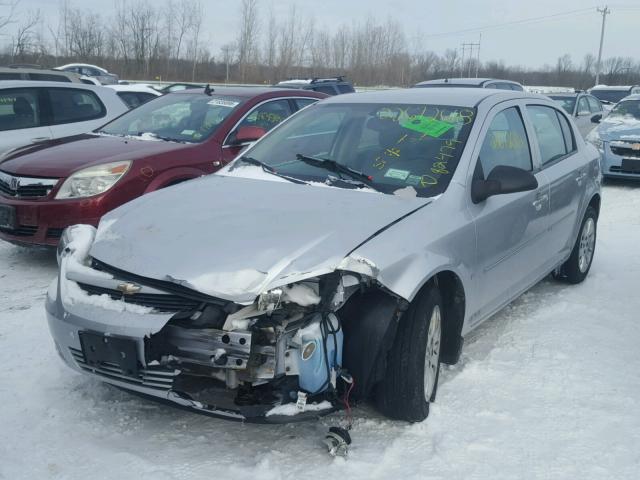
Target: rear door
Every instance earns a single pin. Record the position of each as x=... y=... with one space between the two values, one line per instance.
x=566 y=170
x=511 y=252
x=73 y=111
x=21 y=118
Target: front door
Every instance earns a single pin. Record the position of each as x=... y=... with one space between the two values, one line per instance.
x=510 y=228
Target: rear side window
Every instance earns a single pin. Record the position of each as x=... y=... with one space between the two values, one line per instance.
x=303 y=102
x=10 y=76
x=550 y=133
x=516 y=87
x=19 y=109
x=506 y=143
x=70 y=105
x=344 y=88
x=325 y=89
x=47 y=77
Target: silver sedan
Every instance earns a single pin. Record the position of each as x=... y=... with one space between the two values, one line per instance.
x=343 y=256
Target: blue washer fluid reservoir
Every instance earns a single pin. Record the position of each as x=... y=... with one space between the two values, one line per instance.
x=312 y=364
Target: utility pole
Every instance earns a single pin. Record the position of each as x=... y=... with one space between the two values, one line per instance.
x=478 y=59
x=604 y=11
x=471 y=47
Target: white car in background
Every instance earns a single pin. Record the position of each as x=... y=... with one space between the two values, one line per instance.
x=32 y=112
x=87 y=70
x=135 y=95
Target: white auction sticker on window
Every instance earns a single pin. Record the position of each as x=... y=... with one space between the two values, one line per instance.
x=223 y=103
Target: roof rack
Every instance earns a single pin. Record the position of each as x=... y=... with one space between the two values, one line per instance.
x=337 y=78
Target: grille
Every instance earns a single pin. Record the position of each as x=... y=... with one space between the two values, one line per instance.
x=160 y=302
x=158 y=379
x=625 y=152
x=26 y=187
x=54 y=232
x=22 y=231
x=620 y=170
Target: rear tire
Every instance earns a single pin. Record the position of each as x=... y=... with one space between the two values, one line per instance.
x=413 y=368
x=577 y=267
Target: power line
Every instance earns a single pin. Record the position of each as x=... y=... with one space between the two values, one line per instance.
x=581 y=11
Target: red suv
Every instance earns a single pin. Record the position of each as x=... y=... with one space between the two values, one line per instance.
x=46 y=187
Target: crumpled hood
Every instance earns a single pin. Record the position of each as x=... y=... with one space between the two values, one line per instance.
x=235 y=237
x=619 y=128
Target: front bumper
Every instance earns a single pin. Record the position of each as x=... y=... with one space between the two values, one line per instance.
x=67 y=322
x=41 y=221
x=612 y=164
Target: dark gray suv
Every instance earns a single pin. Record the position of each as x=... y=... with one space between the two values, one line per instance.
x=471 y=83
x=330 y=86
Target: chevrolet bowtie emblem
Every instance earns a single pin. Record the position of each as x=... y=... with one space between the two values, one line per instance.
x=14 y=183
x=129 y=288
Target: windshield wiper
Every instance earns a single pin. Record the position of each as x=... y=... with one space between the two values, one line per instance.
x=338 y=168
x=269 y=169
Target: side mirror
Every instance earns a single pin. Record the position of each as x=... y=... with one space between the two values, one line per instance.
x=596 y=118
x=502 y=179
x=248 y=134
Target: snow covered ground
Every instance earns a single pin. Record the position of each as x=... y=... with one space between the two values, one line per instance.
x=546 y=389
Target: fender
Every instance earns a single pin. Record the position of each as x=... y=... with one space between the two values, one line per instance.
x=173 y=176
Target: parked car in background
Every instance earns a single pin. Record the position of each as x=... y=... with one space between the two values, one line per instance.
x=609 y=95
x=348 y=252
x=34 y=112
x=176 y=137
x=135 y=95
x=38 y=74
x=330 y=86
x=618 y=139
x=178 y=87
x=471 y=83
x=93 y=71
x=585 y=109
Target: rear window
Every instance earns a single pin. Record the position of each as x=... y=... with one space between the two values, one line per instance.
x=610 y=95
x=19 y=109
x=70 y=105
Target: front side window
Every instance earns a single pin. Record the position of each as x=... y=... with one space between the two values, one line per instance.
x=409 y=147
x=506 y=143
x=594 y=105
x=71 y=105
x=628 y=108
x=583 y=106
x=267 y=115
x=549 y=132
x=19 y=109
x=183 y=117
x=304 y=102
x=567 y=103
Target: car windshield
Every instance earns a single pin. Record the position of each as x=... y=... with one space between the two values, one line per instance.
x=388 y=147
x=628 y=108
x=568 y=103
x=611 y=96
x=179 y=118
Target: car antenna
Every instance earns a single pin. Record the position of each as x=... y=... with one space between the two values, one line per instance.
x=208 y=90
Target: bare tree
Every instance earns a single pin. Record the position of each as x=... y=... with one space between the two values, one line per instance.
x=247 y=35
x=25 y=40
x=8 y=7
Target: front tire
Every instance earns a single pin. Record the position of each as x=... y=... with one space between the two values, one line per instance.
x=411 y=378
x=577 y=267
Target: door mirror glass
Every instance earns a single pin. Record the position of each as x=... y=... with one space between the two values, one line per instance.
x=503 y=179
x=246 y=134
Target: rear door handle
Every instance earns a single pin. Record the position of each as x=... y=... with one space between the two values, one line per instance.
x=539 y=202
x=581 y=177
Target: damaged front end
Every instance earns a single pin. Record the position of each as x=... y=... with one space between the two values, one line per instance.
x=287 y=356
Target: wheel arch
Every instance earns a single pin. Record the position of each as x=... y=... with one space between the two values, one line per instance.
x=595 y=203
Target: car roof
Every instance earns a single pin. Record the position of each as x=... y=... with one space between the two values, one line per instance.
x=464 y=81
x=37 y=83
x=243 y=91
x=565 y=94
x=461 y=97
x=613 y=87
x=82 y=65
x=133 y=88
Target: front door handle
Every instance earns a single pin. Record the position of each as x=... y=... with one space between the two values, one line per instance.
x=539 y=202
x=581 y=177
x=39 y=139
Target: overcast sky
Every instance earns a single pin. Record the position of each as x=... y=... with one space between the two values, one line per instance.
x=530 y=44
